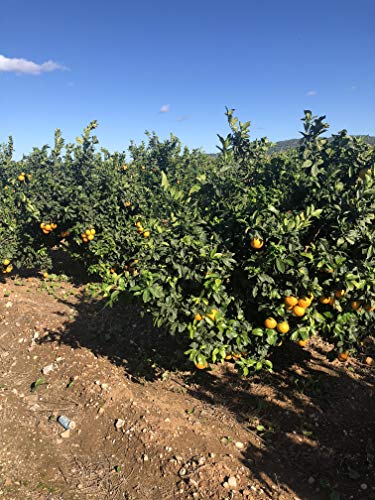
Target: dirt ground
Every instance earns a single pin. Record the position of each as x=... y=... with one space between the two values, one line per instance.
x=147 y=431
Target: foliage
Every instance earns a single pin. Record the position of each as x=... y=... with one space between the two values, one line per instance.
x=213 y=246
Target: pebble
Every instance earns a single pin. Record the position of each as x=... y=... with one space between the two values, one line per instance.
x=311 y=480
x=239 y=445
x=65 y=434
x=232 y=482
x=119 y=423
x=363 y=486
x=182 y=471
x=145 y=457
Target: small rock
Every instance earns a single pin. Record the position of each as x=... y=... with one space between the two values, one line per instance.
x=119 y=423
x=145 y=457
x=226 y=485
x=182 y=471
x=212 y=455
x=65 y=434
x=232 y=483
x=49 y=368
x=311 y=480
x=193 y=482
x=101 y=411
x=239 y=445
x=363 y=486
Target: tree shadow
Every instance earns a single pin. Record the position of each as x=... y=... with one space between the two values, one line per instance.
x=310 y=423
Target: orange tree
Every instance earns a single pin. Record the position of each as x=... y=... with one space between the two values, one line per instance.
x=233 y=254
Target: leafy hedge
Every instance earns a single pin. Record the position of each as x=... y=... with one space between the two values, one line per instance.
x=232 y=254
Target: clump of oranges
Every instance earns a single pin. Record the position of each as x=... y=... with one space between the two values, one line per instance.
x=47 y=227
x=88 y=235
x=141 y=230
x=7 y=266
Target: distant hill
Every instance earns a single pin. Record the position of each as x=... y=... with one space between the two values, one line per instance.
x=294 y=143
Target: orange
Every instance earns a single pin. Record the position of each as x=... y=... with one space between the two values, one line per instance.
x=92 y=231
x=283 y=327
x=48 y=227
x=42 y=225
x=201 y=366
x=369 y=361
x=45 y=231
x=369 y=308
x=302 y=343
x=198 y=317
x=212 y=315
x=127 y=204
x=9 y=269
x=6 y=262
x=343 y=356
x=228 y=357
x=88 y=232
x=299 y=311
x=45 y=275
x=355 y=305
x=270 y=323
x=146 y=234
x=138 y=224
x=256 y=243
x=331 y=301
x=290 y=301
x=304 y=302
x=339 y=293
x=324 y=300
x=21 y=177
x=53 y=225
x=90 y=237
x=124 y=167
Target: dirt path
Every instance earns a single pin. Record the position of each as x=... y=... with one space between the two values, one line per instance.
x=303 y=432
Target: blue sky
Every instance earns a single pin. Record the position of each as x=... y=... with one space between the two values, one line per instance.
x=123 y=62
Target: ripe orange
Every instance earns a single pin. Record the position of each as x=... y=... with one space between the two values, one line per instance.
x=212 y=315
x=270 y=323
x=6 y=262
x=198 y=317
x=324 y=300
x=138 y=224
x=9 y=269
x=48 y=227
x=127 y=204
x=369 y=361
x=290 y=301
x=42 y=225
x=88 y=232
x=339 y=293
x=90 y=237
x=303 y=343
x=45 y=231
x=331 y=301
x=355 y=305
x=343 y=356
x=92 y=231
x=299 y=311
x=146 y=234
x=21 y=177
x=256 y=243
x=283 y=327
x=305 y=302
x=201 y=366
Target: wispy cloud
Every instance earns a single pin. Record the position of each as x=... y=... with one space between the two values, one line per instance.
x=17 y=65
x=182 y=118
x=311 y=93
x=165 y=108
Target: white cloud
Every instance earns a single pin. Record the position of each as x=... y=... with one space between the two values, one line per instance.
x=311 y=92
x=164 y=108
x=16 y=65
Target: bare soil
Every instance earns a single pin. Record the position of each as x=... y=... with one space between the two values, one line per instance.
x=304 y=432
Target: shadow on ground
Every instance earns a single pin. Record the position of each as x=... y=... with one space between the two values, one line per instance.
x=311 y=423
